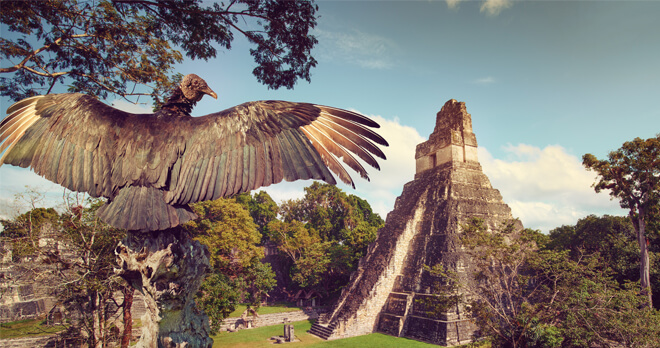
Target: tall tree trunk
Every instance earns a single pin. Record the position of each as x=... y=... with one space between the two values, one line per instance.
x=128 y=316
x=644 y=265
x=167 y=267
x=96 y=334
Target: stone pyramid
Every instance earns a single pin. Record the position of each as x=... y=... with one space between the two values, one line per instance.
x=450 y=187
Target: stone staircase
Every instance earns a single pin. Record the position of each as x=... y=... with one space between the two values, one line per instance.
x=322 y=331
x=395 y=313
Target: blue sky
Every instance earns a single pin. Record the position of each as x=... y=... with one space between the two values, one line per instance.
x=545 y=82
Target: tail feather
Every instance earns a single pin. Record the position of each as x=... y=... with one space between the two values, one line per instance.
x=143 y=209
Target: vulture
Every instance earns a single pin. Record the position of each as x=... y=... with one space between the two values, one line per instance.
x=150 y=167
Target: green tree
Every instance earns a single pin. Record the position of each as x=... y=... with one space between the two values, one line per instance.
x=503 y=293
x=344 y=223
x=613 y=237
x=336 y=216
x=218 y=296
x=600 y=313
x=524 y=295
x=632 y=174
x=229 y=233
x=101 y=46
x=446 y=290
x=237 y=274
x=305 y=250
x=91 y=286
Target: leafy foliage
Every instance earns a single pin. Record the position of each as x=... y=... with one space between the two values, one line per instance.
x=631 y=173
x=218 y=296
x=320 y=237
x=503 y=291
x=228 y=232
x=323 y=235
x=530 y=296
x=614 y=238
x=262 y=208
x=101 y=46
x=304 y=249
x=237 y=274
x=336 y=216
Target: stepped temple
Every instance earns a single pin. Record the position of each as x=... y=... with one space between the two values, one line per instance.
x=386 y=292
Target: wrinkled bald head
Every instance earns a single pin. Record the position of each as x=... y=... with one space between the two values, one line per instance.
x=194 y=88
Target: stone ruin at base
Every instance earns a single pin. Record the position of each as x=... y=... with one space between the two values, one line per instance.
x=386 y=292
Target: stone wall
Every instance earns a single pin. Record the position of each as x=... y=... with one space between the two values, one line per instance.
x=29 y=309
x=26 y=285
x=24 y=291
x=29 y=342
x=269 y=319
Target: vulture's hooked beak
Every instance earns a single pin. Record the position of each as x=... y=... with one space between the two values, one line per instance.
x=210 y=92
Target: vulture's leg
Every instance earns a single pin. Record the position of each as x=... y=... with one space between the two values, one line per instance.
x=167 y=267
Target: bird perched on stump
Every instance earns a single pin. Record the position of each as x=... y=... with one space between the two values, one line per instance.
x=151 y=166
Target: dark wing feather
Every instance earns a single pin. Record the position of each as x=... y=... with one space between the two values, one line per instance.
x=270 y=141
x=85 y=145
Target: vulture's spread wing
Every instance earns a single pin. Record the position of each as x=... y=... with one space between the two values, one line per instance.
x=261 y=143
x=150 y=166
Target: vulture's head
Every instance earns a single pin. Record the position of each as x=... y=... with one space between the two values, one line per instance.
x=194 y=87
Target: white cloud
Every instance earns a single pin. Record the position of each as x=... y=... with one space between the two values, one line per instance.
x=545 y=188
x=7 y=208
x=494 y=7
x=491 y=7
x=453 y=4
x=356 y=47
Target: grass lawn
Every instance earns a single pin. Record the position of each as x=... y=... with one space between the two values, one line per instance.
x=27 y=328
x=270 y=309
x=259 y=338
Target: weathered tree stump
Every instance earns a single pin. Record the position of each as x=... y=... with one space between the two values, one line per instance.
x=167 y=267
